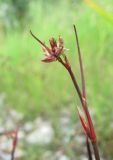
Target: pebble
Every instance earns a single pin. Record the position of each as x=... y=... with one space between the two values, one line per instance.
x=43 y=134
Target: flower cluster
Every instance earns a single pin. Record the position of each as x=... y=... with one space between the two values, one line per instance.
x=54 y=52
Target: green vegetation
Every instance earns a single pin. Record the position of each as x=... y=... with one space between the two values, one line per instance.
x=34 y=87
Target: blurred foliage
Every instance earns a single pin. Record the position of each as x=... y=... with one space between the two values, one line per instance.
x=13 y=13
x=100 y=10
x=33 y=87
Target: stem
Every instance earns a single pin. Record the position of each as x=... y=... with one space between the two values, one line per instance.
x=83 y=86
x=96 y=151
x=76 y=85
x=73 y=80
x=81 y=64
x=78 y=89
x=79 y=93
x=82 y=97
x=82 y=79
x=14 y=144
x=12 y=154
x=88 y=117
x=89 y=148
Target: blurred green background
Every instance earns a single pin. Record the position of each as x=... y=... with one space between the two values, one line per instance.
x=35 y=88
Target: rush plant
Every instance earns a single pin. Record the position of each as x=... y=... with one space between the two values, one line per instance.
x=56 y=52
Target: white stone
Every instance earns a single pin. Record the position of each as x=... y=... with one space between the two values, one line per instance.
x=80 y=139
x=61 y=156
x=5 y=156
x=83 y=157
x=16 y=115
x=9 y=124
x=19 y=153
x=5 y=143
x=28 y=126
x=43 y=134
x=21 y=134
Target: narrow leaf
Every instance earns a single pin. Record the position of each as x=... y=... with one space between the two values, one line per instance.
x=83 y=123
x=81 y=64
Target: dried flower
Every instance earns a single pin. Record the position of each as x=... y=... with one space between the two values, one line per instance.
x=53 y=53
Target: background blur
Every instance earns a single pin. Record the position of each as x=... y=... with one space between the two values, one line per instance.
x=38 y=97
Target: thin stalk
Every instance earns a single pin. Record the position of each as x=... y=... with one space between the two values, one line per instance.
x=73 y=80
x=78 y=91
x=14 y=144
x=12 y=154
x=81 y=64
x=89 y=149
x=95 y=147
x=76 y=85
x=88 y=117
x=96 y=152
x=83 y=86
x=89 y=120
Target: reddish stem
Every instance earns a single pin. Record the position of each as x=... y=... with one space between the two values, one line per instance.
x=81 y=64
x=96 y=152
x=89 y=149
x=12 y=154
x=84 y=104
x=14 y=144
x=89 y=120
x=95 y=147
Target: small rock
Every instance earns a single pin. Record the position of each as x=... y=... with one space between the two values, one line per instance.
x=83 y=157
x=65 y=125
x=21 y=134
x=48 y=155
x=16 y=115
x=19 y=153
x=80 y=139
x=60 y=156
x=28 y=126
x=5 y=143
x=5 y=156
x=43 y=134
